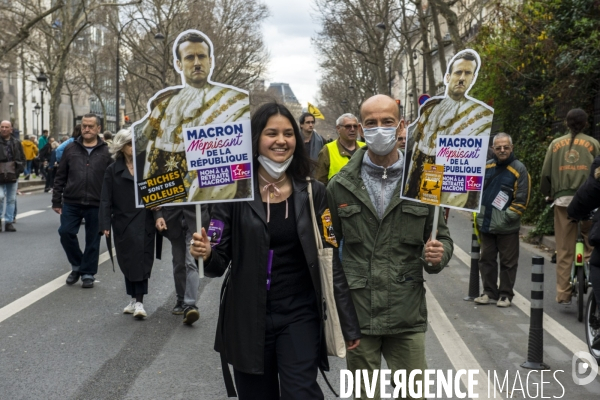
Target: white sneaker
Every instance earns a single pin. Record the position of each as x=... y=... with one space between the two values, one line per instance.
x=130 y=309
x=484 y=299
x=139 y=313
x=503 y=302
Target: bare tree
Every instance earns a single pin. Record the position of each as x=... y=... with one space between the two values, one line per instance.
x=52 y=40
x=22 y=21
x=359 y=53
x=445 y=8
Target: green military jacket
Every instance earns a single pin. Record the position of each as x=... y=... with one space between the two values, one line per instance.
x=382 y=259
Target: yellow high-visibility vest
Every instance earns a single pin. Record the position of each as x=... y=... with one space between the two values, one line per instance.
x=336 y=160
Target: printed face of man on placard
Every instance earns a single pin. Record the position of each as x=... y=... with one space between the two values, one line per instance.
x=195 y=61
x=461 y=76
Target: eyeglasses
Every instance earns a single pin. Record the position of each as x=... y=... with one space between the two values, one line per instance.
x=500 y=148
x=401 y=139
x=350 y=126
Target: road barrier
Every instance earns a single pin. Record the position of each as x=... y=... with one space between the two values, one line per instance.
x=474 y=277
x=535 y=348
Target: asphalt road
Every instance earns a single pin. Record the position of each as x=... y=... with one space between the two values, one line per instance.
x=77 y=344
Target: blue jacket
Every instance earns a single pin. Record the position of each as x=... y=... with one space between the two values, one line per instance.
x=61 y=148
x=506 y=184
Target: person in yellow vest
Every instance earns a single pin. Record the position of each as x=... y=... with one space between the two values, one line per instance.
x=336 y=154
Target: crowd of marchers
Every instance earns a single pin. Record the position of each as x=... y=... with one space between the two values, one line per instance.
x=273 y=334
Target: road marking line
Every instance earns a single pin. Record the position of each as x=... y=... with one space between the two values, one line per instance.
x=456 y=349
x=29 y=213
x=32 y=297
x=553 y=327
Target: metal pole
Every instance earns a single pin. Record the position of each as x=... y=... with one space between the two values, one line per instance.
x=117 y=116
x=42 y=110
x=535 y=348
x=474 y=275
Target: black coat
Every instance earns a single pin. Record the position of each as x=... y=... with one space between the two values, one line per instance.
x=17 y=152
x=133 y=228
x=79 y=176
x=245 y=242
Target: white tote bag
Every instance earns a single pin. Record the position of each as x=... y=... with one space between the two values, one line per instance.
x=336 y=346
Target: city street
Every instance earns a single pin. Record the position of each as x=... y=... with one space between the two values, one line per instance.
x=61 y=342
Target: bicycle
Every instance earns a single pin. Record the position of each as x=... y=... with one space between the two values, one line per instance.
x=580 y=272
x=592 y=325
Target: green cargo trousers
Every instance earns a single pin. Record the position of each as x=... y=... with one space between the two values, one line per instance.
x=402 y=351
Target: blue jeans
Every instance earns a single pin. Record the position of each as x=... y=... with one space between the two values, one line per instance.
x=28 y=167
x=85 y=263
x=8 y=191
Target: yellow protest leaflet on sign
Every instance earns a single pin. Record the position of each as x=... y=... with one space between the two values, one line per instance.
x=430 y=191
x=328 y=233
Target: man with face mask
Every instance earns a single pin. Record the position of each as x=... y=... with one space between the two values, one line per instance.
x=454 y=114
x=387 y=246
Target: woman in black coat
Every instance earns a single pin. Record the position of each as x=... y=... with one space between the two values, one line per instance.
x=133 y=228
x=270 y=325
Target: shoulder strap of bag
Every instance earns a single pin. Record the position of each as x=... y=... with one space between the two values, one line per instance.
x=110 y=253
x=313 y=216
x=227 y=378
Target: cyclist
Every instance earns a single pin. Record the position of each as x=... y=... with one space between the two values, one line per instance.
x=565 y=168
x=585 y=200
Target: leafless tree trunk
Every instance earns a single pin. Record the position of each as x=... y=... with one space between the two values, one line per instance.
x=71 y=102
x=408 y=36
x=438 y=37
x=452 y=21
x=24 y=97
x=426 y=54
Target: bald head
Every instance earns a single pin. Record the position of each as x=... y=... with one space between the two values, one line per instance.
x=379 y=110
x=5 y=129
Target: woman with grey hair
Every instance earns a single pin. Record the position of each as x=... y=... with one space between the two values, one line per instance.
x=133 y=228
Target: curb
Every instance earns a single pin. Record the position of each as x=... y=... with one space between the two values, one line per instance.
x=31 y=189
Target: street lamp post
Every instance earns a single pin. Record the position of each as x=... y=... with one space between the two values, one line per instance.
x=43 y=84
x=36 y=112
x=158 y=36
x=415 y=51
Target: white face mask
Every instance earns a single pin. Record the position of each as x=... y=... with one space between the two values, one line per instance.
x=381 y=140
x=273 y=168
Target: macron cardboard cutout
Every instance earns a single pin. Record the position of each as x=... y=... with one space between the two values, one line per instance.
x=447 y=145
x=194 y=145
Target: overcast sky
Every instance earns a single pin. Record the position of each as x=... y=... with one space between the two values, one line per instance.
x=287 y=34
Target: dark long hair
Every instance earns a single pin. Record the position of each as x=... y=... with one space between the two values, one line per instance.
x=576 y=122
x=76 y=131
x=299 y=169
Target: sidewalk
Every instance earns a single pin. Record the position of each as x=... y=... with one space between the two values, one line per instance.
x=547 y=241
x=33 y=184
